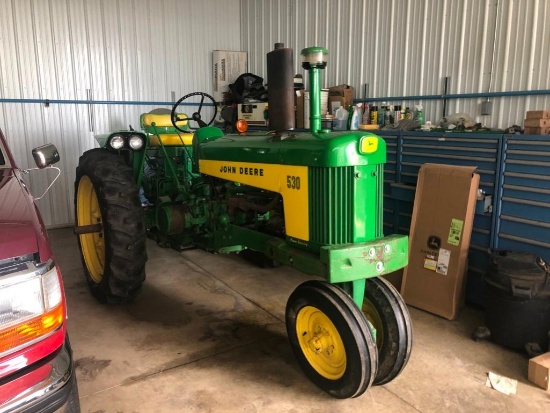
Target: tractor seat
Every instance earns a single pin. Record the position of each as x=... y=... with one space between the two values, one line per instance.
x=159 y=128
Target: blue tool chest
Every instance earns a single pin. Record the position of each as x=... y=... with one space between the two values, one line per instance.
x=513 y=207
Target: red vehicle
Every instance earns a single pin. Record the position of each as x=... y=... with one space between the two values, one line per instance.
x=36 y=363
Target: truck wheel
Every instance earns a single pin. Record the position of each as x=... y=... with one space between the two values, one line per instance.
x=110 y=223
x=331 y=339
x=387 y=312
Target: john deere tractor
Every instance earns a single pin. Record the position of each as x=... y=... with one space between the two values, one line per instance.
x=311 y=200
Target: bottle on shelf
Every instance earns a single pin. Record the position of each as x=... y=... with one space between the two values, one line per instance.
x=350 y=115
x=365 y=119
x=388 y=119
x=382 y=115
x=419 y=114
x=396 y=114
x=374 y=115
x=340 y=119
x=356 y=116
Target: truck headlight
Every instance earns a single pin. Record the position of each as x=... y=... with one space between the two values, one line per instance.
x=31 y=308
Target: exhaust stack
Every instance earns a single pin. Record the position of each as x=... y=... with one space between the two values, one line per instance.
x=280 y=91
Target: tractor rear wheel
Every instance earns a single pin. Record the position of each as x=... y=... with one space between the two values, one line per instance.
x=111 y=228
x=331 y=339
x=387 y=312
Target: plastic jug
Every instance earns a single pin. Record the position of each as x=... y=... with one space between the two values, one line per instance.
x=340 y=119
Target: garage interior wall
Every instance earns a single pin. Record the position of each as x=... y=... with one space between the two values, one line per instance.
x=143 y=50
x=407 y=48
x=119 y=50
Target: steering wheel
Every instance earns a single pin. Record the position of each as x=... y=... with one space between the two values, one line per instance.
x=195 y=116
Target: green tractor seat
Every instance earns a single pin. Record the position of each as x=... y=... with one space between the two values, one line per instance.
x=160 y=130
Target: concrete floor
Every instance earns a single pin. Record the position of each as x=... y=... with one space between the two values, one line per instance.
x=207 y=335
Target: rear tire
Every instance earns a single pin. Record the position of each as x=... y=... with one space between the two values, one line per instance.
x=114 y=256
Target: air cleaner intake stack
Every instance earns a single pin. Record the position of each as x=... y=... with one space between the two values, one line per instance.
x=280 y=91
x=314 y=60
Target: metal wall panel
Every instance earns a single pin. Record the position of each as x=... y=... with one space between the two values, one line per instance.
x=407 y=48
x=146 y=49
x=109 y=50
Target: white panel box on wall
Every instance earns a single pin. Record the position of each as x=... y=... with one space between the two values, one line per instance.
x=227 y=67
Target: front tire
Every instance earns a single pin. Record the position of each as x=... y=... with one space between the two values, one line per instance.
x=113 y=248
x=385 y=309
x=331 y=339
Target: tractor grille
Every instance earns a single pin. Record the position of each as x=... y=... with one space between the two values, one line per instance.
x=331 y=200
x=342 y=208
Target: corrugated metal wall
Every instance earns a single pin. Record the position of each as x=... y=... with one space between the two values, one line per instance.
x=406 y=48
x=121 y=50
x=143 y=50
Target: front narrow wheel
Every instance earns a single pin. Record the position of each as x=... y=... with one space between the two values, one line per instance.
x=109 y=221
x=331 y=339
x=387 y=312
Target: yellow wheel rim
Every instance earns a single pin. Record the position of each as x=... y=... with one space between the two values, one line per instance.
x=321 y=343
x=373 y=317
x=93 y=244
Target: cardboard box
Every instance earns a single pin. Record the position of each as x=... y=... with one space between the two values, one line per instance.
x=342 y=93
x=537 y=131
x=334 y=102
x=324 y=102
x=441 y=228
x=306 y=109
x=324 y=105
x=227 y=67
x=300 y=108
x=395 y=278
x=539 y=371
x=536 y=122
x=538 y=114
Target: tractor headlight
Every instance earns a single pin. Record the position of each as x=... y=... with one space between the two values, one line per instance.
x=135 y=142
x=116 y=142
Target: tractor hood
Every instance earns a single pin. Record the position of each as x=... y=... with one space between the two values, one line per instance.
x=337 y=149
x=20 y=229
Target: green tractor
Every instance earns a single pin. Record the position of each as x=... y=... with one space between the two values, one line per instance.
x=309 y=200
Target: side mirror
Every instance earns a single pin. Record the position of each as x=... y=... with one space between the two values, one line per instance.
x=45 y=155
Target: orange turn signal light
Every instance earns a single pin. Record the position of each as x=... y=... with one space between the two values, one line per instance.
x=241 y=125
x=20 y=334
